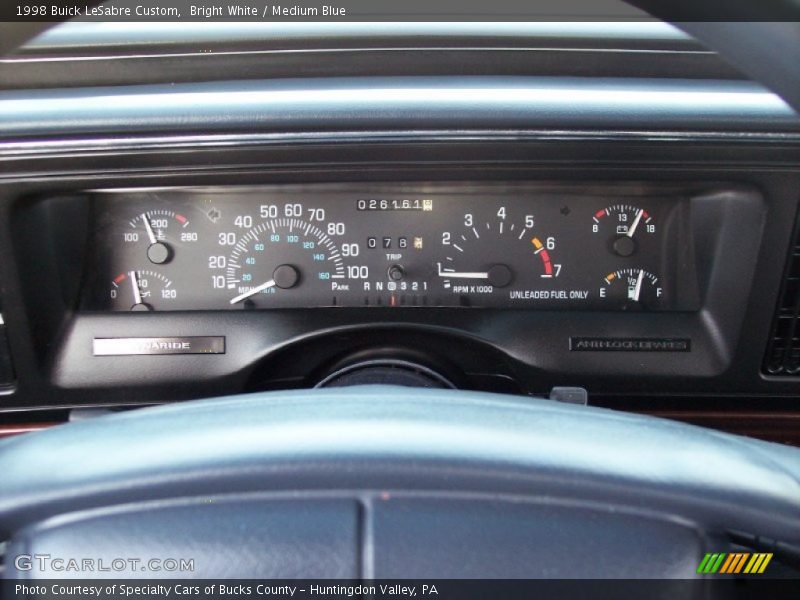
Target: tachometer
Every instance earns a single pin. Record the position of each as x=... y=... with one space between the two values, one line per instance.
x=496 y=256
x=280 y=261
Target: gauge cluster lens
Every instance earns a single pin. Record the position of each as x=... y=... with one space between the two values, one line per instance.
x=494 y=245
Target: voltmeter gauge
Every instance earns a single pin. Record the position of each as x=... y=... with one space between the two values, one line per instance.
x=142 y=290
x=622 y=226
x=628 y=288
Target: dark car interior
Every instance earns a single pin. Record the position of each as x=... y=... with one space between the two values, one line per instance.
x=362 y=301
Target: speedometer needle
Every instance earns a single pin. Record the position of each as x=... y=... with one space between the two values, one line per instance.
x=457 y=275
x=252 y=292
x=150 y=233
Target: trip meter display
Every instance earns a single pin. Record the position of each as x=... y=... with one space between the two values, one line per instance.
x=493 y=245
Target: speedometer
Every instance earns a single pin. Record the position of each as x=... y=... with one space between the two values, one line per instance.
x=281 y=260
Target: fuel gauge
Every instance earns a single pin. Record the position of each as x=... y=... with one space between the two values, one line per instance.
x=629 y=288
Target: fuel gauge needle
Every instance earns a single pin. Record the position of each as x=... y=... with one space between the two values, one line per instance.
x=264 y=286
x=638 y=289
x=137 y=294
x=150 y=233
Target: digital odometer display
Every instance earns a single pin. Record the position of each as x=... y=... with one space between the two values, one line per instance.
x=500 y=245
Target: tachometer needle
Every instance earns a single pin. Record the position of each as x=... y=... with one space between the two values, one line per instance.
x=457 y=275
x=137 y=294
x=638 y=289
x=252 y=292
x=635 y=223
x=150 y=233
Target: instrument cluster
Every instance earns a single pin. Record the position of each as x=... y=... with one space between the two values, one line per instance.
x=492 y=245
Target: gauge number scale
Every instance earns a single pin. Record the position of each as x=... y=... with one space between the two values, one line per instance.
x=390 y=245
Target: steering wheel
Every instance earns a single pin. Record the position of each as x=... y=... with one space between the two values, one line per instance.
x=383 y=482
x=377 y=481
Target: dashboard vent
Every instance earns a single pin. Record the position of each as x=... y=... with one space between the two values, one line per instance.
x=3 y=548
x=783 y=351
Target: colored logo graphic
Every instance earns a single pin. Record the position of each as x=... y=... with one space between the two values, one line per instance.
x=734 y=562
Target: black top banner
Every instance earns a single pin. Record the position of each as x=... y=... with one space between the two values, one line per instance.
x=398 y=10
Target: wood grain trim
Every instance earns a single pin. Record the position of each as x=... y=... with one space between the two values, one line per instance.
x=19 y=428
x=781 y=427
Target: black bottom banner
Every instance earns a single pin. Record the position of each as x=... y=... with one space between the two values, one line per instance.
x=439 y=589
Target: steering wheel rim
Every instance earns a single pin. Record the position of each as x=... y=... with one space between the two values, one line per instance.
x=369 y=444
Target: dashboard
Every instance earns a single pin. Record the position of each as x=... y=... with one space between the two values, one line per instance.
x=291 y=222
x=420 y=244
x=493 y=280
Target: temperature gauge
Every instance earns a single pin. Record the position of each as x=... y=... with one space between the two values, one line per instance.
x=157 y=233
x=631 y=288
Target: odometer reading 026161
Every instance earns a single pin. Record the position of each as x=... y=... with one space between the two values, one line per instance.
x=498 y=245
